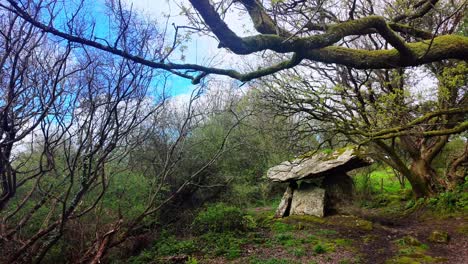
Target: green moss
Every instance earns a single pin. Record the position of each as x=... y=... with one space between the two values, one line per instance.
x=439 y=237
x=343 y=242
x=280 y=227
x=369 y=239
x=319 y=249
x=326 y=232
x=463 y=229
x=410 y=241
x=351 y=222
x=447 y=46
x=298 y=251
x=304 y=219
x=329 y=154
x=415 y=260
x=410 y=250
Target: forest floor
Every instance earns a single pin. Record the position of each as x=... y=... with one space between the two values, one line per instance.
x=369 y=236
x=384 y=225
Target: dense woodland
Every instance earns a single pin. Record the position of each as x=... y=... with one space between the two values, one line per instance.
x=101 y=163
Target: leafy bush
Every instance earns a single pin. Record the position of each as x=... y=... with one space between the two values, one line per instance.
x=191 y=260
x=220 y=218
x=166 y=245
x=450 y=201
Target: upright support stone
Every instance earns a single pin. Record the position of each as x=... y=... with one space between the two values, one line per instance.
x=339 y=192
x=308 y=199
x=285 y=204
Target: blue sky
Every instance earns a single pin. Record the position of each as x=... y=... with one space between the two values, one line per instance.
x=200 y=50
x=176 y=84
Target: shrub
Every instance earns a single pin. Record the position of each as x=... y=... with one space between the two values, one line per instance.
x=222 y=244
x=220 y=218
x=319 y=249
x=172 y=246
x=191 y=260
x=450 y=201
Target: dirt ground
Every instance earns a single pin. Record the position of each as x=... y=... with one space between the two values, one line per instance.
x=369 y=236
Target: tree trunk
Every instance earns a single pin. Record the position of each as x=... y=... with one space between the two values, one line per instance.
x=457 y=170
x=423 y=178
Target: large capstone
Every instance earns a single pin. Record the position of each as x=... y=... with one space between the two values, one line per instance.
x=318 y=165
x=318 y=183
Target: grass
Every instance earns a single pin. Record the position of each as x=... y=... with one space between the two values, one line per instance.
x=382 y=180
x=297 y=238
x=256 y=260
x=410 y=250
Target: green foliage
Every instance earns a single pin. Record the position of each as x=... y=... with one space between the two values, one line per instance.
x=445 y=203
x=450 y=201
x=299 y=251
x=390 y=185
x=126 y=192
x=191 y=260
x=244 y=193
x=281 y=227
x=287 y=239
x=378 y=187
x=343 y=242
x=327 y=151
x=226 y=244
x=410 y=250
x=453 y=148
x=326 y=232
x=222 y=244
x=166 y=245
x=319 y=249
x=221 y=218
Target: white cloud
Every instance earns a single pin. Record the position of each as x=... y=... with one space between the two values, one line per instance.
x=201 y=49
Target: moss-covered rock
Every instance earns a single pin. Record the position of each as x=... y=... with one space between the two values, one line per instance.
x=438 y=236
x=411 y=251
x=411 y=241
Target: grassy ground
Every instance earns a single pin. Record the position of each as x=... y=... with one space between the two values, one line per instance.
x=334 y=239
x=386 y=226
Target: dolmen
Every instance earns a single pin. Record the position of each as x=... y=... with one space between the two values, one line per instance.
x=318 y=183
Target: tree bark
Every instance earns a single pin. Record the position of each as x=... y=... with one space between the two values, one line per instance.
x=423 y=178
x=457 y=169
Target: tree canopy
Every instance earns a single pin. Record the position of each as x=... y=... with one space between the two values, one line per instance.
x=321 y=31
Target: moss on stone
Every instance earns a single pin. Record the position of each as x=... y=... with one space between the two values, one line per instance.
x=410 y=241
x=305 y=220
x=333 y=154
x=410 y=250
x=438 y=236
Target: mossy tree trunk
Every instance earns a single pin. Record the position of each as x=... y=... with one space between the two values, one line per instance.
x=423 y=178
x=420 y=173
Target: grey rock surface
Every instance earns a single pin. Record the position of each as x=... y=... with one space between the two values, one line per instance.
x=308 y=200
x=285 y=203
x=318 y=165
